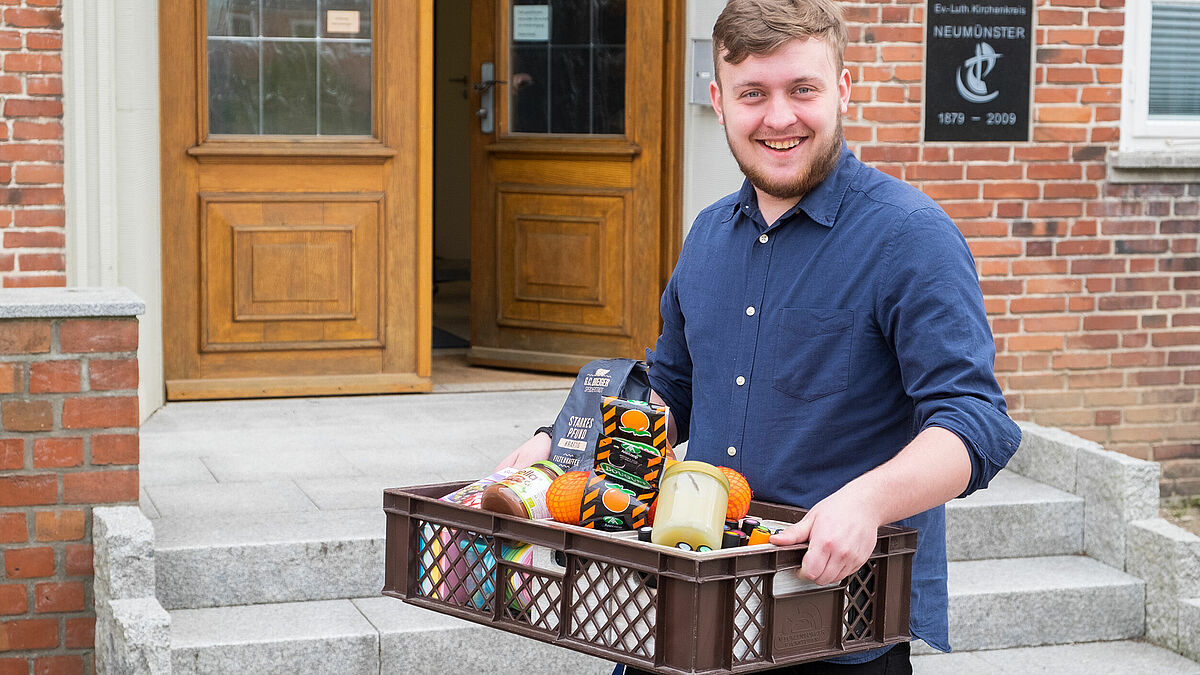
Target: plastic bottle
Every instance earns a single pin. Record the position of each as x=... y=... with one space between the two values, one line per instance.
x=523 y=494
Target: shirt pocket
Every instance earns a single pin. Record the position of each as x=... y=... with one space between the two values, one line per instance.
x=812 y=351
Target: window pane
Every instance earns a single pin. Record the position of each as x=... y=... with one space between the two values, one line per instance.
x=232 y=87
x=567 y=76
x=289 y=18
x=346 y=89
x=293 y=67
x=528 y=87
x=289 y=94
x=1174 y=53
x=233 y=17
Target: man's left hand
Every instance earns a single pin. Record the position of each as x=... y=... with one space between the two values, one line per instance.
x=841 y=533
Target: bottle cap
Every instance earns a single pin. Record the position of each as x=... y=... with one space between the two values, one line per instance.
x=683 y=546
x=644 y=533
x=748 y=525
x=760 y=535
x=702 y=548
x=733 y=539
x=549 y=466
x=733 y=525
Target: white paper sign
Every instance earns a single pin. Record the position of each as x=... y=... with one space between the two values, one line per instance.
x=342 y=21
x=531 y=23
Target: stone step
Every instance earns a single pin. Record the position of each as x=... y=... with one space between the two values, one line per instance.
x=356 y=637
x=231 y=559
x=995 y=604
x=1124 y=657
x=1015 y=517
x=1020 y=602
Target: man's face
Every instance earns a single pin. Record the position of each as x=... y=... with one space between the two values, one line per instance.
x=782 y=115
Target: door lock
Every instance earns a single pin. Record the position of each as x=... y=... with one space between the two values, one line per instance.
x=487 y=96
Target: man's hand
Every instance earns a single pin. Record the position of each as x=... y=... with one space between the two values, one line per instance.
x=840 y=530
x=532 y=450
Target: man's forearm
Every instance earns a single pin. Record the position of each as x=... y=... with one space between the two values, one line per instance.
x=931 y=470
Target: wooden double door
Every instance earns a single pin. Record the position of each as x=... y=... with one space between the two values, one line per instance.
x=297 y=188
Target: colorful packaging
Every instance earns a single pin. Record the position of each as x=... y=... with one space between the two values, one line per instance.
x=636 y=421
x=611 y=506
x=471 y=495
x=634 y=464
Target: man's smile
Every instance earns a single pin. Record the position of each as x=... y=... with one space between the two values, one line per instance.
x=782 y=144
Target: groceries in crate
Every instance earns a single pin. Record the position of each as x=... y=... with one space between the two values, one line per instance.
x=523 y=493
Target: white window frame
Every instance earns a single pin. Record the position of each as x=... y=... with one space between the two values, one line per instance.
x=1139 y=132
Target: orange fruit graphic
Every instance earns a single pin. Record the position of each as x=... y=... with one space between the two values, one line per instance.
x=615 y=499
x=565 y=496
x=636 y=420
x=739 y=495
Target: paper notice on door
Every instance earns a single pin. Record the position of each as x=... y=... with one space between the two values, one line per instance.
x=342 y=21
x=531 y=23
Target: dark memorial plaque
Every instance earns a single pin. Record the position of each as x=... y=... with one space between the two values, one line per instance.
x=977 y=74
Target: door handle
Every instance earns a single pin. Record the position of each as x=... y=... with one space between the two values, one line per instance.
x=487 y=96
x=488 y=84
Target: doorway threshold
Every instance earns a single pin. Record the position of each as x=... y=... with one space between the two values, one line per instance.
x=452 y=374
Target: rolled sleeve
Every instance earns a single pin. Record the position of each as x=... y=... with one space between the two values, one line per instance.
x=671 y=363
x=931 y=309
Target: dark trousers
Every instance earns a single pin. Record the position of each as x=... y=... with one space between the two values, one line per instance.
x=894 y=662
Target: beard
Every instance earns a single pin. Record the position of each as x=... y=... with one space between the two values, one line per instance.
x=807 y=177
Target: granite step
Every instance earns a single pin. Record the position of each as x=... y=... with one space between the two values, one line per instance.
x=233 y=559
x=998 y=604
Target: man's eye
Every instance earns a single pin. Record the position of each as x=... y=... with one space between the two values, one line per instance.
x=803 y=90
x=752 y=94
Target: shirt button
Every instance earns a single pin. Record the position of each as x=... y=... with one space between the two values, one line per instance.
x=740 y=380
x=762 y=238
x=750 y=310
x=732 y=451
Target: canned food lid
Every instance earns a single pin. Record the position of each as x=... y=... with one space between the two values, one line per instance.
x=697 y=466
x=547 y=464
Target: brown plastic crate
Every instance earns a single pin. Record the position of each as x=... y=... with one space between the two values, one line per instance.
x=649 y=606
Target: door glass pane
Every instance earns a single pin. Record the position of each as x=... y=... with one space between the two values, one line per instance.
x=567 y=67
x=291 y=67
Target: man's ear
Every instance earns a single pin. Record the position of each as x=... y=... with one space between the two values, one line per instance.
x=844 y=90
x=714 y=94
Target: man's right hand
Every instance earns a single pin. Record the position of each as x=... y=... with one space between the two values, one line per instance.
x=532 y=450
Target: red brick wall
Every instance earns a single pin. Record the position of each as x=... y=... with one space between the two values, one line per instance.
x=1093 y=288
x=32 y=235
x=68 y=441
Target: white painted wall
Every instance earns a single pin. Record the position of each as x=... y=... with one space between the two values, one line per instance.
x=112 y=169
x=709 y=171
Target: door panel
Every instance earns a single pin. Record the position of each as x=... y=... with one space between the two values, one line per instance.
x=567 y=187
x=287 y=274
x=566 y=268
x=296 y=228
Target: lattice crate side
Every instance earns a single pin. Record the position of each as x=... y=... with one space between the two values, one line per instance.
x=533 y=592
x=612 y=607
x=749 y=630
x=858 y=608
x=455 y=566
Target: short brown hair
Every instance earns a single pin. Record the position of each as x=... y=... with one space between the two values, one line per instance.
x=759 y=27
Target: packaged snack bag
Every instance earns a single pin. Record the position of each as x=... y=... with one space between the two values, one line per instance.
x=578 y=423
x=636 y=421
x=611 y=506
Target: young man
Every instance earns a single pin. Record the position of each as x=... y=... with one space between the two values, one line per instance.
x=824 y=331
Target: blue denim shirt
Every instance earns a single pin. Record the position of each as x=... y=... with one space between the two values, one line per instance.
x=805 y=353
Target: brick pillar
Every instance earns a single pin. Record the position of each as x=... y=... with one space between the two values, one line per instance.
x=68 y=441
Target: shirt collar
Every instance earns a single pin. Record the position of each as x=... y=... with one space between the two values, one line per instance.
x=821 y=204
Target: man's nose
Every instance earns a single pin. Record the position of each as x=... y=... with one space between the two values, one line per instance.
x=780 y=114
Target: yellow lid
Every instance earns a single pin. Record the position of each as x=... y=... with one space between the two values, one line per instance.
x=698 y=466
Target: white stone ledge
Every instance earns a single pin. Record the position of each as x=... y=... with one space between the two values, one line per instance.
x=55 y=303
